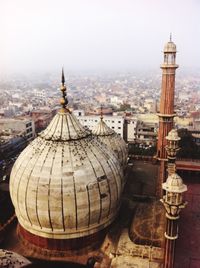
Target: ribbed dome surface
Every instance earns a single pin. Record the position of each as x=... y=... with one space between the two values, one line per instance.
x=113 y=141
x=64 y=127
x=174 y=184
x=173 y=135
x=170 y=47
x=66 y=184
x=101 y=129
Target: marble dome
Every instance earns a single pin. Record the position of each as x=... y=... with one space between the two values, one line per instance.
x=173 y=136
x=66 y=184
x=174 y=184
x=112 y=141
x=170 y=47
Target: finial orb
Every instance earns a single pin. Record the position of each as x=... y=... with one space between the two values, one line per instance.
x=62 y=101
x=63 y=88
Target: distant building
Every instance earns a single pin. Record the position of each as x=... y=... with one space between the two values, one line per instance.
x=131 y=129
x=42 y=118
x=151 y=105
x=97 y=111
x=79 y=113
x=114 y=122
x=195 y=120
x=41 y=94
x=141 y=130
x=11 y=146
x=196 y=137
x=116 y=101
x=146 y=133
x=20 y=126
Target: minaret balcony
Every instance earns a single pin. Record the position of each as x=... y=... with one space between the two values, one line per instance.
x=168 y=65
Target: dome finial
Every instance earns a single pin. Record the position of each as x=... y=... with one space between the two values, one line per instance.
x=63 y=76
x=170 y=37
x=63 y=100
x=101 y=114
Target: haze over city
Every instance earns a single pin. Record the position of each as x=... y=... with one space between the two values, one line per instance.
x=96 y=35
x=99 y=160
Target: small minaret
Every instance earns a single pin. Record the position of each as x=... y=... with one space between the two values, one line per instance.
x=172 y=200
x=172 y=148
x=166 y=115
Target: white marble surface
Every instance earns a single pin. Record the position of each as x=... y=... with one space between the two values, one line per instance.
x=112 y=141
x=66 y=183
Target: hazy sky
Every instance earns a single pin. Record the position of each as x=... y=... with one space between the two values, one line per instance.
x=43 y=35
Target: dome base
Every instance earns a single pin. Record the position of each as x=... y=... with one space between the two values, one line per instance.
x=55 y=246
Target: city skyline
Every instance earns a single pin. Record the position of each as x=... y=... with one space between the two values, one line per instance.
x=96 y=36
x=81 y=184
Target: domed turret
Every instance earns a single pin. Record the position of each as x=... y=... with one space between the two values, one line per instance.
x=111 y=140
x=170 y=47
x=169 y=55
x=174 y=184
x=65 y=185
x=173 y=136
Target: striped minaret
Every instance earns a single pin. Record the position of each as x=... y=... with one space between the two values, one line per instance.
x=166 y=115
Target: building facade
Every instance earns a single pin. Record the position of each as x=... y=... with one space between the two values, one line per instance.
x=114 y=122
x=146 y=133
x=23 y=126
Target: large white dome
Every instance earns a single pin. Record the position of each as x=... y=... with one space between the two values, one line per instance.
x=66 y=184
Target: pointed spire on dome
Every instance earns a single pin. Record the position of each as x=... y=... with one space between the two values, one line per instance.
x=64 y=100
x=111 y=139
x=101 y=129
x=63 y=76
x=101 y=114
x=170 y=46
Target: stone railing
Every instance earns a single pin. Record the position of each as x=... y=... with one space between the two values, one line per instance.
x=188 y=160
x=141 y=157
